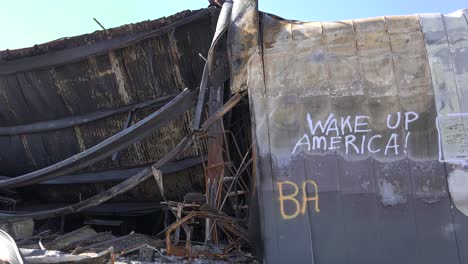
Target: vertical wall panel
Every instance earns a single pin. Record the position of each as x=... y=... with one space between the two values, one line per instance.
x=456 y=26
x=288 y=174
x=312 y=84
x=348 y=98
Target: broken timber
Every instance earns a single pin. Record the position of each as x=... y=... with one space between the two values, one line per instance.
x=170 y=111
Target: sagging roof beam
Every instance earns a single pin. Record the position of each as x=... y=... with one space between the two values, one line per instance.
x=173 y=109
x=122 y=174
x=129 y=183
x=44 y=126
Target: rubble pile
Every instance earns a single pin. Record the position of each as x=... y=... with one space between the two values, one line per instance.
x=85 y=245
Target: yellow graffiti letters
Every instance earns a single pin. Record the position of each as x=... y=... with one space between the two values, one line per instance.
x=306 y=198
x=297 y=208
x=289 y=197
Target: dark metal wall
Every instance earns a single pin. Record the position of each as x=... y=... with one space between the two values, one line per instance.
x=346 y=117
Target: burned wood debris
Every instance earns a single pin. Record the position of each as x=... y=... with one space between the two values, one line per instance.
x=107 y=155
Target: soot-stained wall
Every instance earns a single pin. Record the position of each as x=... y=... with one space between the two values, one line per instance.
x=360 y=130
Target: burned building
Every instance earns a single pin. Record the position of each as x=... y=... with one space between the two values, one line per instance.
x=311 y=142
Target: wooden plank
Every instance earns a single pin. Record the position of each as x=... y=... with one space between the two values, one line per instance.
x=92 y=85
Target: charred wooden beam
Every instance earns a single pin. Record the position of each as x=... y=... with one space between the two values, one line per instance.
x=44 y=126
x=127 y=184
x=179 y=105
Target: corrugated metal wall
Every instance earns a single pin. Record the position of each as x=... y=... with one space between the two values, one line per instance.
x=346 y=121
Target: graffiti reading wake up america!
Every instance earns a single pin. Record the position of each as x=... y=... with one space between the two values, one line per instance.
x=352 y=134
